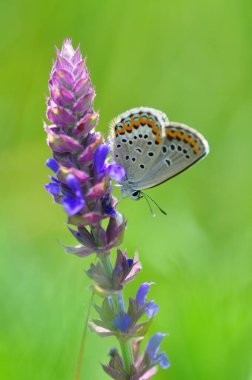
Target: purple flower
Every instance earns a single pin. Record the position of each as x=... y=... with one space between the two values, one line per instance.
x=124 y=271
x=73 y=201
x=108 y=208
x=142 y=293
x=53 y=188
x=82 y=184
x=151 y=308
x=153 y=349
x=53 y=165
x=115 y=172
x=122 y=322
x=142 y=367
x=100 y=158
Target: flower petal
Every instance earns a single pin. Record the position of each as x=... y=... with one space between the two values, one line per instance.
x=52 y=164
x=88 y=122
x=100 y=157
x=99 y=329
x=79 y=250
x=61 y=96
x=151 y=309
x=62 y=143
x=122 y=322
x=116 y=172
x=53 y=188
x=74 y=185
x=163 y=360
x=153 y=345
x=72 y=205
x=142 y=293
x=98 y=191
x=80 y=175
x=151 y=372
x=60 y=116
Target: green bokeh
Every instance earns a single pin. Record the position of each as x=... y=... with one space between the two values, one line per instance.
x=191 y=59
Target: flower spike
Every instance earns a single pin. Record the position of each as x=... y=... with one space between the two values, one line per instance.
x=82 y=184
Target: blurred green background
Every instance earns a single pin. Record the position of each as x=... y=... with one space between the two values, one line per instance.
x=191 y=59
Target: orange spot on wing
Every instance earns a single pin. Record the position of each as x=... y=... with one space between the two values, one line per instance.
x=127 y=128
x=180 y=135
x=119 y=132
x=155 y=130
x=135 y=123
x=193 y=143
x=171 y=134
x=151 y=123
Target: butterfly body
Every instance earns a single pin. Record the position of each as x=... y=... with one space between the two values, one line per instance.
x=152 y=149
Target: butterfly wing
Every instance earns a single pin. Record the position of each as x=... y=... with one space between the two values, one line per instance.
x=181 y=148
x=136 y=140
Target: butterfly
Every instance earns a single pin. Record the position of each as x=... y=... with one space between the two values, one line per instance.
x=152 y=149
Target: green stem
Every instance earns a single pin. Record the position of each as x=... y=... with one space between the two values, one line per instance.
x=125 y=344
x=83 y=338
x=126 y=354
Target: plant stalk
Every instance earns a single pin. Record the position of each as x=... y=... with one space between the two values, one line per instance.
x=125 y=344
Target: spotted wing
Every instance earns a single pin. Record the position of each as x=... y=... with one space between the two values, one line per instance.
x=181 y=148
x=136 y=140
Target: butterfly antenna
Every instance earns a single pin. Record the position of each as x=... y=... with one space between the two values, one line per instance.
x=148 y=203
x=160 y=209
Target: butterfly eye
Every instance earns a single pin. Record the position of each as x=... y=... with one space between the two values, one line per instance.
x=144 y=117
x=157 y=126
x=136 y=119
x=127 y=123
x=135 y=194
x=119 y=127
x=151 y=119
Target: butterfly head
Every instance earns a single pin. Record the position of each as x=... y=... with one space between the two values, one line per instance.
x=128 y=192
x=136 y=194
